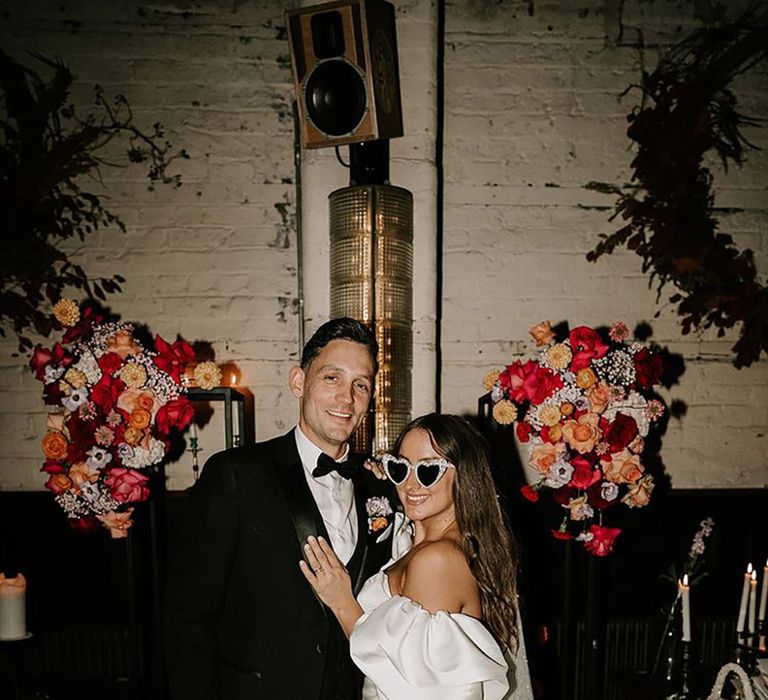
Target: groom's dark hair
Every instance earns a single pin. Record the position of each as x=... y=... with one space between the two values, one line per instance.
x=340 y=329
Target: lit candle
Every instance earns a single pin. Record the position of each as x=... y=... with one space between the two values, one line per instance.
x=763 y=592
x=752 y=602
x=743 y=604
x=13 y=607
x=685 y=592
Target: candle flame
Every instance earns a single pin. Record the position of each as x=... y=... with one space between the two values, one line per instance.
x=754 y=576
x=749 y=568
x=233 y=379
x=685 y=579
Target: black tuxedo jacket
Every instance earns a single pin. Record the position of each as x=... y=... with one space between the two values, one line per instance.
x=241 y=620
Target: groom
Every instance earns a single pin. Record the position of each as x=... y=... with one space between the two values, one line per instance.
x=241 y=621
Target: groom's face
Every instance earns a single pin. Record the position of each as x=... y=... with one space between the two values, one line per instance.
x=335 y=391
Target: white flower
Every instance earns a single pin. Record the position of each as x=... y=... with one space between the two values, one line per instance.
x=98 y=458
x=125 y=451
x=52 y=374
x=76 y=398
x=378 y=506
x=89 y=367
x=497 y=394
x=609 y=491
x=585 y=537
x=144 y=457
x=560 y=474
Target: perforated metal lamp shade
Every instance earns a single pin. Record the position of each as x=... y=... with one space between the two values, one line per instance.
x=372 y=280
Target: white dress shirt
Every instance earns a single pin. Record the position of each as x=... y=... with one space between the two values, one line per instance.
x=335 y=498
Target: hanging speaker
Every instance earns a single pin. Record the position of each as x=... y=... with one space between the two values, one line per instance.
x=345 y=72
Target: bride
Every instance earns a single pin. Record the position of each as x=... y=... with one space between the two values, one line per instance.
x=440 y=620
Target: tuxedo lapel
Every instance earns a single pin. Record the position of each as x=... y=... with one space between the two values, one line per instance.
x=304 y=511
x=361 y=551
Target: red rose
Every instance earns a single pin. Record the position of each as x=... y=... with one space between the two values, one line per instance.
x=583 y=474
x=621 y=432
x=540 y=384
x=595 y=497
x=106 y=392
x=529 y=494
x=603 y=539
x=127 y=485
x=512 y=378
x=110 y=362
x=90 y=316
x=523 y=431
x=52 y=467
x=648 y=367
x=80 y=438
x=586 y=345
x=42 y=357
x=173 y=359
x=175 y=414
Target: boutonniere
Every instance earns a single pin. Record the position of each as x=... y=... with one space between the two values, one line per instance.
x=379 y=511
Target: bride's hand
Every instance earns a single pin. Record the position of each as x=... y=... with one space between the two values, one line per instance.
x=326 y=574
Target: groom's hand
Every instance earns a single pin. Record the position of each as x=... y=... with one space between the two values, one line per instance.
x=376 y=468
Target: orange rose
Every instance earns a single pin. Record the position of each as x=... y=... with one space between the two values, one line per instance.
x=542 y=333
x=598 y=396
x=585 y=378
x=55 y=421
x=555 y=433
x=54 y=446
x=123 y=344
x=639 y=495
x=566 y=408
x=378 y=524
x=131 y=399
x=582 y=434
x=58 y=483
x=139 y=419
x=81 y=474
x=133 y=436
x=543 y=456
x=624 y=468
x=117 y=523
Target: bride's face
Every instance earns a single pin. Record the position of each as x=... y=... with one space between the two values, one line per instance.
x=420 y=503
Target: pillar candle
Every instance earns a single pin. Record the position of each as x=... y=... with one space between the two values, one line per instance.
x=744 y=597
x=752 y=602
x=13 y=609
x=685 y=592
x=763 y=592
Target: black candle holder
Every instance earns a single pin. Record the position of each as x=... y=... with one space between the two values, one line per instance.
x=744 y=653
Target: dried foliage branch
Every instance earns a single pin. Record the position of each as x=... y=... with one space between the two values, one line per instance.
x=45 y=149
x=689 y=109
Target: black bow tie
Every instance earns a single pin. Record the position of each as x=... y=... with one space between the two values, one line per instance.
x=327 y=464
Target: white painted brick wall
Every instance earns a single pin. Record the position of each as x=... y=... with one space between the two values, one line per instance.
x=531 y=115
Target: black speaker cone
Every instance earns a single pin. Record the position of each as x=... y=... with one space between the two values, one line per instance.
x=335 y=97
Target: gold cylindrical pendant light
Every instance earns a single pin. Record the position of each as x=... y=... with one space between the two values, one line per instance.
x=372 y=280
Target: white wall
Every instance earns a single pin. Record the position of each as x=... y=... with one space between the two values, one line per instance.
x=531 y=116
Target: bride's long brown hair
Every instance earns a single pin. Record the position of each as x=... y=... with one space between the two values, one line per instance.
x=488 y=545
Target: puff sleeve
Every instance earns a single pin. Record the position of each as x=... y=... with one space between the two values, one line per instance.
x=407 y=652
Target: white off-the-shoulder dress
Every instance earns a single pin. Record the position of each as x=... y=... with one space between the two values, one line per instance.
x=408 y=653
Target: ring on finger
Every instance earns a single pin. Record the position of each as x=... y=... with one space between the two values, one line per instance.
x=318 y=569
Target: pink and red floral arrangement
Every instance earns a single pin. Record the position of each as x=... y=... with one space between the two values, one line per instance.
x=585 y=408
x=112 y=407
